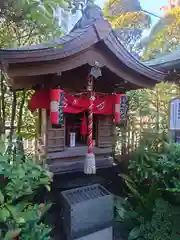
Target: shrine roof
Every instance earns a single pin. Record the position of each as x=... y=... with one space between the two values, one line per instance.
x=91 y=30
x=166 y=62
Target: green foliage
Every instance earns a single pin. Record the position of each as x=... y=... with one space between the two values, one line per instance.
x=24 y=219
x=28 y=130
x=30 y=177
x=150 y=160
x=20 y=179
x=127 y=19
x=156 y=160
x=142 y=200
x=159 y=227
x=31 y=21
x=31 y=225
x=150 y=210
x=148 y=111
x=165 y=36
x=140 y=225
x=148 y=217
x=28 y=22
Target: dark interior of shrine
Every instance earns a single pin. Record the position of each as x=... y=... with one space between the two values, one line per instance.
x=74 y=124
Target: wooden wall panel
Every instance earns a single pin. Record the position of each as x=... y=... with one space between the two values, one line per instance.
x=55 y=138
x=105 y=132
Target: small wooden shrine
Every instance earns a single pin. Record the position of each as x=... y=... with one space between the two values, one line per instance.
x=94 y=70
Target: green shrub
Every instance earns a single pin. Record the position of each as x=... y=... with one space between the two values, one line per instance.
x=20 y=180
x=162 y=224
x=154 y=180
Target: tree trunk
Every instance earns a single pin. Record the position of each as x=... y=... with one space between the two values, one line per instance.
x=123 y=135
x=13 y=114
x=19 y=141
x=19 y=123
x=2 y=103
x=157 y=112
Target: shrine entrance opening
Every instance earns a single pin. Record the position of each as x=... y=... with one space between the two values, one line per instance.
x=77 y=124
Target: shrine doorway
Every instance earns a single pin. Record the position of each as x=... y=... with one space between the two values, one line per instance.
x=77 y=123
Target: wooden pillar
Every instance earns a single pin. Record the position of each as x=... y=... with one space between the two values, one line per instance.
x=43 y=135
x=38 y=122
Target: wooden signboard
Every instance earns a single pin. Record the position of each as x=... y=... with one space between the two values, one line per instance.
x=174 y=114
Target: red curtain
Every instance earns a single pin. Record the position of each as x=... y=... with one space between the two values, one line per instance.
x=73 y=104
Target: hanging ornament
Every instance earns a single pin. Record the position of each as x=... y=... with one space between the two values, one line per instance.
x=96 y=70
x=56 y=107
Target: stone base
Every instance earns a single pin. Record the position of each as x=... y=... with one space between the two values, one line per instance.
x=105 y=234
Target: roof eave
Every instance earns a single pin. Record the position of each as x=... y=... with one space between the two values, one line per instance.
x=166 y=66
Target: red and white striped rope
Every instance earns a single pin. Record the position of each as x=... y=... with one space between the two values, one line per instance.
x=90 y=114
